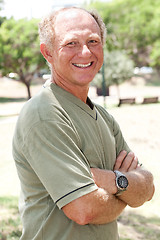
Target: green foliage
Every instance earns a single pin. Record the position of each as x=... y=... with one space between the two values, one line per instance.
x=2 y=19
x=133 y=26
x=118 y=68
x=19 y=45
x=155 y=55
x=19 y=49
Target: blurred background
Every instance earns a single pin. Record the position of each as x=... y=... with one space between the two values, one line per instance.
x=128 y=86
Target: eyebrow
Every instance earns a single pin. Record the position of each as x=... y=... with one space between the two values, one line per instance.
x=75 y=38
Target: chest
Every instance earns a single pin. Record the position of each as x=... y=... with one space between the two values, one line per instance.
x=97 y=140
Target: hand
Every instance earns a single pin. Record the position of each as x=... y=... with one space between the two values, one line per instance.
x=126 y=162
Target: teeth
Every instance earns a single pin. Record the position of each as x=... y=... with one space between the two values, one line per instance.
x=82 y=65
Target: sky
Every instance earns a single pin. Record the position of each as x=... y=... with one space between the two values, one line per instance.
x=34 y=8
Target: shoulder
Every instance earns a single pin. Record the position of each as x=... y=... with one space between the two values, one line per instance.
x=43 y=107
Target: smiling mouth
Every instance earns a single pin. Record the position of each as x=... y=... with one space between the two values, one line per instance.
x=82 y=65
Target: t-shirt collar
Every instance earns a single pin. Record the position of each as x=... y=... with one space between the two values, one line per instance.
x=88 y=107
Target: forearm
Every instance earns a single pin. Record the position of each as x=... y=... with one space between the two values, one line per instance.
x=110 y=209
x=102 y=206
x=140 y=189
x=97 y=207
x=107 y=207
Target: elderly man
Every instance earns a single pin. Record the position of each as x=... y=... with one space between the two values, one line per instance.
x=77 y=173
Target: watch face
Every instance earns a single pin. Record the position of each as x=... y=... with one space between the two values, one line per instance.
x=122 y=182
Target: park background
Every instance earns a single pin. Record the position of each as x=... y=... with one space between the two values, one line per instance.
x=131 y=70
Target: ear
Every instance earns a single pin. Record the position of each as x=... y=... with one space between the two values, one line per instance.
x=45 y=52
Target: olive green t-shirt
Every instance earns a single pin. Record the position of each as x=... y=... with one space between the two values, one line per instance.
x=57 y=139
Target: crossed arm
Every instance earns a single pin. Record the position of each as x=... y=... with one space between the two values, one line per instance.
x=102 y=206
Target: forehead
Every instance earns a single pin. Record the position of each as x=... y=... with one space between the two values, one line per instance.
x=74 y=20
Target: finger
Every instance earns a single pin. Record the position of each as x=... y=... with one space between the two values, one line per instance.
x=134 y=164
x=120 y=159
x=127 y=162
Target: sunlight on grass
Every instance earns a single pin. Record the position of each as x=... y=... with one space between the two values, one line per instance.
x=137 y=227
x=10 y=224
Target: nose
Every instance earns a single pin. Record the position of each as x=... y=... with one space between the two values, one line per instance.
x=85 y=51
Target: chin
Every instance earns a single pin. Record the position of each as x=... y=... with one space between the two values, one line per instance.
x=86 y=79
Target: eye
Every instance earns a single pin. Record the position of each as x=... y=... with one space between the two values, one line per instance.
x=71 y=43
x=93 y=41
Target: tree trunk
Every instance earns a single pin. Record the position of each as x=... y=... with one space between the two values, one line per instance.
x=28 y=90
x=26 y=80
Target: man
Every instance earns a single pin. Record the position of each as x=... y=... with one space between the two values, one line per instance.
x=66 y=148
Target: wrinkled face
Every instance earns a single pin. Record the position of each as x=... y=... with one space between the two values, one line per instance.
x=77 y=51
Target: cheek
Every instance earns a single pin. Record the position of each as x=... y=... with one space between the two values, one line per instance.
x=58 y=60
x=99 y=53
x=100 y=58
x=65 y=57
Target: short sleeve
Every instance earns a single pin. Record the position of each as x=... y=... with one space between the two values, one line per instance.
x=53 y=151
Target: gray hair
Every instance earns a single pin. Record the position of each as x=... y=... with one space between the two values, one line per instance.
x=46 y=26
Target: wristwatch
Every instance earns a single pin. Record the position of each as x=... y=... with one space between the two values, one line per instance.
x=121 y=182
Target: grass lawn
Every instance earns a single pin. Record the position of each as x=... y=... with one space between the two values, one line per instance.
x=131 y=225
x=141 y=128
x=10 y=225
x=134 y=226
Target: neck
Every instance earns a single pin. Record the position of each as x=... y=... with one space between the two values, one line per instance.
x=78 y=91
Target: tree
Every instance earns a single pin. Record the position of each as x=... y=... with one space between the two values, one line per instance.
x=19 y=49
x=2 y=19
x=133 y=26
x=118 y=67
